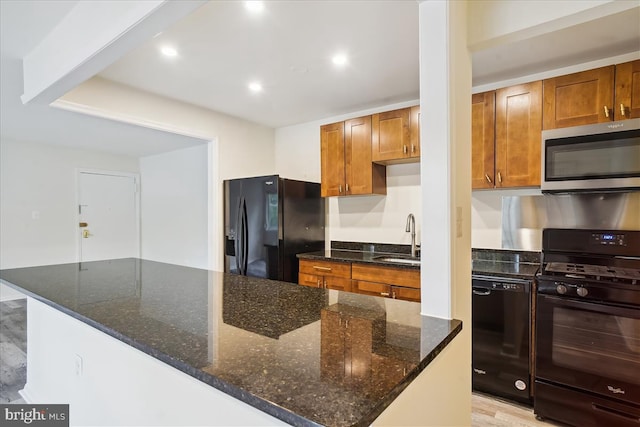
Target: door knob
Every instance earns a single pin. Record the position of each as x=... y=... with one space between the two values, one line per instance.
x=86 y=234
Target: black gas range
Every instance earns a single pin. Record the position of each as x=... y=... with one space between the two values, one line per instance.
x=587 y=340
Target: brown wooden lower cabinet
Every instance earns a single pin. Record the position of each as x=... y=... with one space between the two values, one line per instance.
x=368 y=279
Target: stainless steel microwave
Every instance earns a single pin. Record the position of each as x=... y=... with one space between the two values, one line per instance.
x=600 y=157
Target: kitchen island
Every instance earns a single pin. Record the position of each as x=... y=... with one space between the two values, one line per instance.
x=131 y=341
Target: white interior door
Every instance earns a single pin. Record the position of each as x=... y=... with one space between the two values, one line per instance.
x=108 y=216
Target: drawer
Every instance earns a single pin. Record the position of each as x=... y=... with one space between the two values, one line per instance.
x=393 y=276
x=325 y=268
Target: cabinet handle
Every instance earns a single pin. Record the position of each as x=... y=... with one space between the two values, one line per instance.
x=488 y=178
x=347 y=188
x=404 y=149
x=317 y=267
x=606 y=111
x=318 y=282
x=340 y=188
x=384 y=294
x=393 y=294
x=413 y=149
x=499 y=178
x=622 y=112
x=325 y=284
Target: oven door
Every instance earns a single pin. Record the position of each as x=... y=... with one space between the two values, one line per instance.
x=589 y=346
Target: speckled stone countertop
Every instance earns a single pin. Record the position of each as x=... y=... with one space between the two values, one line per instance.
x=276 y=346
x=505 y=263
x=370 y=253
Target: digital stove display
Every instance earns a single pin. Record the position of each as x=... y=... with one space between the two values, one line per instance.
x=608 y=239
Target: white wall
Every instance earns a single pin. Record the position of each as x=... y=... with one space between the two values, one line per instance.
x=380 y=219
x=38 y=211
x=241 y=148
x=174 y=207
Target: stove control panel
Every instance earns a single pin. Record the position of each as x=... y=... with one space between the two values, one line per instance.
x=609 y=239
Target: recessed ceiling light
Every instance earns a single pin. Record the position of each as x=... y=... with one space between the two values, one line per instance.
x=339 y=59
x=254 y=6
x=169 y=51
x=255 y=87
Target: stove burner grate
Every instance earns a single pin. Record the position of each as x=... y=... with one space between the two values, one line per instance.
x=594 y=272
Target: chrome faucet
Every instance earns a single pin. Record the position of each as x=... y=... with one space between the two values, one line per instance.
x=411 y=228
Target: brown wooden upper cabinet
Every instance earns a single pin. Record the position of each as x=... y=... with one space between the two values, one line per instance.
x=505 y=137
x=627 y=90
x=483 y=122
x=396 y=136
x=345 y=157
x=593 y=96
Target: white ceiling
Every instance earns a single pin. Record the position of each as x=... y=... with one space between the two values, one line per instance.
x=288 y=48
x=22 y=25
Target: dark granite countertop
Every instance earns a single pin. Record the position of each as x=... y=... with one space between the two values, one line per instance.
x=369 y=253
x=505 y=263
x=277 y=345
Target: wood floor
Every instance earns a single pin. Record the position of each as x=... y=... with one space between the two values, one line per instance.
x=486 y=411
x=491 y=412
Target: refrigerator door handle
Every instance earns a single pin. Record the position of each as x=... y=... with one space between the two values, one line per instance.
x=238 y=241
x=245 y=239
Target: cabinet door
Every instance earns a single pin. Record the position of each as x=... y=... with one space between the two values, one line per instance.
x=579 y=98
x=337 y=283
x=627 y=105
x=415 y=132
x=391 y=135
x=310 y=280
x=371 y=288
x=483 y=140
x=407 y=294
x=358 y=166
x=332 y=159
x=518 y=135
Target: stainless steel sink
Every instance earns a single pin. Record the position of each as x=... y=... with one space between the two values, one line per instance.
x=398 y=260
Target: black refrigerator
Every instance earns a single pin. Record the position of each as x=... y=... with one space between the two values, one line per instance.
x=267 y=221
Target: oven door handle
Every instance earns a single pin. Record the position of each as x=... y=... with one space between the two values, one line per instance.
x=481 y=291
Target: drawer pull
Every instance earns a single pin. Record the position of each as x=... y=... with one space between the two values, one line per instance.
x=322 y=268
x=384 y=294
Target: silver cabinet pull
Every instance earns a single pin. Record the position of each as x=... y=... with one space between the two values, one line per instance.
x=499 y=178
x=488 y=178
x=404 y=149
x=347 y=188
x=340 y=188
x=606 y=111
x=384 y=294
x=413 y=149
x=622 y=111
